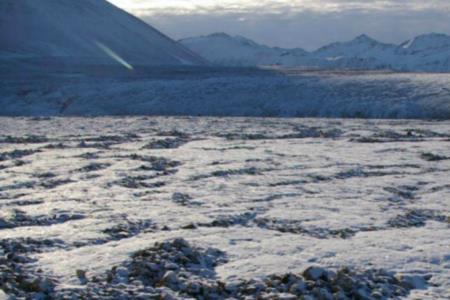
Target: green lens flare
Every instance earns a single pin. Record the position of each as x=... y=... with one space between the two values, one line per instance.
x=114 y=55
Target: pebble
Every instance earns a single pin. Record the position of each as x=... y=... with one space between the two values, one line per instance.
x=314 y=273
x=412 y=282
x=298 y=287
x=170 y=277
x=3 y=296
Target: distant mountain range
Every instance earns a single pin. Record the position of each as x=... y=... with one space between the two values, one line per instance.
x=425 y=53
x=84 y=31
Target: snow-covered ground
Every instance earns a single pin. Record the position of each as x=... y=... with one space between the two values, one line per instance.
x=224 y=92
x=80 y=197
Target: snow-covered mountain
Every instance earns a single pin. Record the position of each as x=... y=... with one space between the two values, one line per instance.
x=84 y=31
x=362 y=52
x=362 y=46
x=223 y=49
x=429 y=52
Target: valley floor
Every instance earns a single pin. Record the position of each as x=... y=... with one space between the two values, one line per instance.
x=206 y=208
x=218 y=91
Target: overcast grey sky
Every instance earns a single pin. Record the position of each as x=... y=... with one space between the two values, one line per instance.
x=295 y=23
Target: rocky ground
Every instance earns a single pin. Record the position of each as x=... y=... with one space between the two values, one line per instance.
x=224 y=208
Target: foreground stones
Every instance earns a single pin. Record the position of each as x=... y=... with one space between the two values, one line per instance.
x=177 y=270
x=17 y=279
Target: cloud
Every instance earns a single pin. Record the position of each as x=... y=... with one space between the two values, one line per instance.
x=147 y=7
x=296 y=23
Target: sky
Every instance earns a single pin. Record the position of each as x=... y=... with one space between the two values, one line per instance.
x=307 y=24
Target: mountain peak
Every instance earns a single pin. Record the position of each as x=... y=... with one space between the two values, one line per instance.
x=93 y=32
x=219 y=35
x=428 y=41
x=364 y=38
x=225 y=36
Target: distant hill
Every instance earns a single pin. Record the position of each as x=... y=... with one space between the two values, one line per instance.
x=223 y=49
